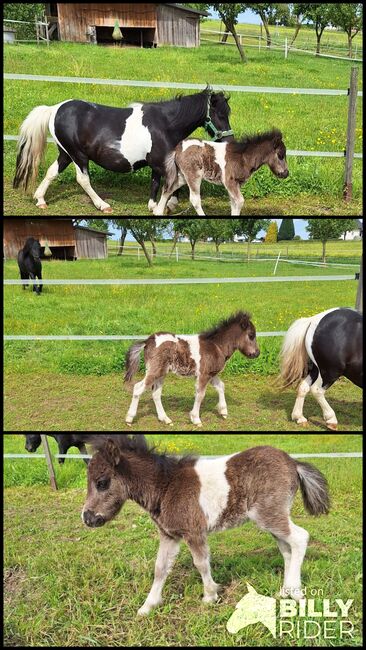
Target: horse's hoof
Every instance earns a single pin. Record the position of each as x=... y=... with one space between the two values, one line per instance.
x=43 y=206
x=109 y=209
x=333 y=427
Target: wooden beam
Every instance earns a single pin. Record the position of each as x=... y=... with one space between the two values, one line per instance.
x=51 y=470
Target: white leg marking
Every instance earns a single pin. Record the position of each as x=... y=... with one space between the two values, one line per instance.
x=195 y=199
x=84 y=181
x=172 y=203
x=52 y=173
x=286 y=551
x=156 y=393
x=168 y=551
x=319 y=394
x=298 y=541
x=138 y=389
x=195 y=413
x=201 y=559
x=302 y=391
x=219 y=385
x=151 y=205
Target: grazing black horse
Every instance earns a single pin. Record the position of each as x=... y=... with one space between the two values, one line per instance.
x=64 y=441
x=318 y=350
x=29 y=262
x=118 y=139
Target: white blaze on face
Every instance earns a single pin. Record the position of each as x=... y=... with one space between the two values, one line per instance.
x=136 y=140
x=194 y=347
x=163 y=338
x=215 y=488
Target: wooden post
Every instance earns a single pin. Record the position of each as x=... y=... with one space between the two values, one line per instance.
x=285 y=48
x=351 y=129
x=359 y=305
x=51 y=471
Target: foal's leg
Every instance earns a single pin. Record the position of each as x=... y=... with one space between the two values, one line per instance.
x=53 y=171
x=154 y=188
x=201 y=385
x=201 y=558
x=83 y=179
x=166 y=193
x=219 y=385
x=138 y=390
x=156 y=393
x=287 y=554
x=195 y=195
x=168 y=551
x=236 y=198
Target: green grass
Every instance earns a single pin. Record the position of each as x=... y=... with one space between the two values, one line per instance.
x=69 y=586
x=308 y=122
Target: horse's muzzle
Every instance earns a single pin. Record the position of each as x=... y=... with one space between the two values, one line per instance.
x=92 y=520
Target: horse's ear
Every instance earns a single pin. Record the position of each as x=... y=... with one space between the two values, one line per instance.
x=107 y=445
x=277 y=140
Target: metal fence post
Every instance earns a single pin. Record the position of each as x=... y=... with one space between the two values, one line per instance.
x=359 y=302
x=51 y=470
x=351 y=131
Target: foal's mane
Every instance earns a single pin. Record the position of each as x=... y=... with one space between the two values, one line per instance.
x=240 y=146
x=241 y=318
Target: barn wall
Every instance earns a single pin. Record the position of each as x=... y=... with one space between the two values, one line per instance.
x=57 y=232
x=90 y=244
x=74 y=18
x=176 y=27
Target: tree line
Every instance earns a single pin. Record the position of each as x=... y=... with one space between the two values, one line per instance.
x=217 y=230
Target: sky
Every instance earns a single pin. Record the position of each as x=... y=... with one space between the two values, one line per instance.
x=246 y=17
x=298 y=223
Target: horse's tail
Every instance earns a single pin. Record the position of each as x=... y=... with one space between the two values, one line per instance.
x=171 y=170
x=294 y=357
x=133 y=360
x=314 y=488
x=31 y=145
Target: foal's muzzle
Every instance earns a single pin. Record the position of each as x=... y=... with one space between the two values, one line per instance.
x=92 y=520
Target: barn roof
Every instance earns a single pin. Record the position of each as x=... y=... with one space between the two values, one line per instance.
x=100 y=232
x=189 y=9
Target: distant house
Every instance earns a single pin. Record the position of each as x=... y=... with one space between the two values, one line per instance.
x=142 y=24
x=66 y=241
x=355 y=234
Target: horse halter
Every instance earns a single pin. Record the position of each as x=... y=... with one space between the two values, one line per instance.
x=210 y=127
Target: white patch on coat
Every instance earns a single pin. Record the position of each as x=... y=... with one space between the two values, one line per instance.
x=315 y=320
x=194 y=347
x=163 y=338
x=190 y=143
x=220 y=157
x=51 y=124
x=215 y=488
x=136 y=141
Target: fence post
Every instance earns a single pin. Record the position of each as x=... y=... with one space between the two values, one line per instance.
x=286 y=48
x=351 y=129
x=176 y=253
x=359 y=302
x=278 y=259
x=51 y=471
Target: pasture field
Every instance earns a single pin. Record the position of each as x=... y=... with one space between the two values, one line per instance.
x=68 y=586
x=308 y=122
x=80 y=383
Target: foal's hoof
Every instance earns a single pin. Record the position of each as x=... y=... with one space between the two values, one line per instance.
x=109 y=209
x=129 y=420
x=43 y=206
x=332 y=426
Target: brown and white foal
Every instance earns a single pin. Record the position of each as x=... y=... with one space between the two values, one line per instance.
x=189 y=498
x=223 y=163
x=198 y=355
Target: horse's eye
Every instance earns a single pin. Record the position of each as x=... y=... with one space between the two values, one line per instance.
x=103 y=484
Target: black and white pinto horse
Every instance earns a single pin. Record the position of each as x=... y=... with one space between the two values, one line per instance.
x=118 y=139
x=29 y=262
x=317 y=351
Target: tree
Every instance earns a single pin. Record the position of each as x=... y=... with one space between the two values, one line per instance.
x=228 y=13
x=27 y=11
x=266 y=11
x=325 y=229
x=272 y=232
x=348 y=16
x=220 y=230
x=249 y=228
x=287 y=230
x=320 y=15
x=143 y=230
x=298 y=12
x=194 y=229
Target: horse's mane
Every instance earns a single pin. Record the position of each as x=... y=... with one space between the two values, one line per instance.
x=240 y=317
x=240 y=146
x=28 y=245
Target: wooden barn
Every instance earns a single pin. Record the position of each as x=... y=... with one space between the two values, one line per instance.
x=142 y=24
x=66 y=241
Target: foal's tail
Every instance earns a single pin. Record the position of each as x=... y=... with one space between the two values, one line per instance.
x=31 y=145
x=294 y=357
x=133 y=360
x=171 y=170
x=314 y=488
